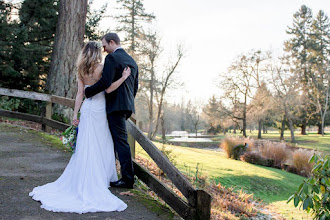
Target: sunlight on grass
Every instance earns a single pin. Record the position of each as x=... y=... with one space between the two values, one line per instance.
x=271 y=185
x=311 y=141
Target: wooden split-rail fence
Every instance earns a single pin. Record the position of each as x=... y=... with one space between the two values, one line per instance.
x=198 y=202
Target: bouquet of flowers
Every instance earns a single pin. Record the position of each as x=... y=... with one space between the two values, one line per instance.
x=69 y=137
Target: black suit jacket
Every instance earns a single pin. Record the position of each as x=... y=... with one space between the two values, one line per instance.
x=122 y=99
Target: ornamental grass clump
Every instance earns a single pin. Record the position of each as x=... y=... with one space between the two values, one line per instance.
x=300 y=160
x=236 y=146
x=228 y=145
x=278 y=152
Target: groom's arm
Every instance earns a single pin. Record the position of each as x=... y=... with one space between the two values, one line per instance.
x=106 y=79
x=136 y=82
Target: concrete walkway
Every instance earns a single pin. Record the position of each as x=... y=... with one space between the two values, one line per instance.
x=27 y=160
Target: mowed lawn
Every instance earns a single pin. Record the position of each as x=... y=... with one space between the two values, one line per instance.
x=311 y=141
x=273 y=186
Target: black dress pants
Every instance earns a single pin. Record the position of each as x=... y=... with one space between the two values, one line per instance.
x=117 y=125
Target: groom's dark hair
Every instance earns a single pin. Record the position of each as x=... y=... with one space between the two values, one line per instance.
x=111 y=36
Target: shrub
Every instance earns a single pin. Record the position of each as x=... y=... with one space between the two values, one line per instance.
x=251 y=143
x=291 y=169
x=235 y=146
x=169 y=154
x=275 y=151
x=228 y=145
x=300 y=161
x=256 y=158
x=238 y=150
x=314 y=193
x=22 y=105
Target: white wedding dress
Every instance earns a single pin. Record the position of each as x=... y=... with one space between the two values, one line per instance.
x=83 y=186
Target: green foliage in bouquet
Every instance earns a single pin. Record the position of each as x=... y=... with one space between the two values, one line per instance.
x=69 y=137
x=314 y=193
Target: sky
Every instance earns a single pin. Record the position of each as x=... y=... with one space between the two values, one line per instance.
x=214 y=32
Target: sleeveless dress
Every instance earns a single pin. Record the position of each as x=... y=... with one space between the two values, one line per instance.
x=83 y=186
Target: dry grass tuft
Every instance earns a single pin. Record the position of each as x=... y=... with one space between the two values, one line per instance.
x=300 y=160
x=278 y=152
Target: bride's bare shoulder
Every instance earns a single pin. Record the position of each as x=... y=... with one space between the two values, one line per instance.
x=98 y=70
x=99 y=67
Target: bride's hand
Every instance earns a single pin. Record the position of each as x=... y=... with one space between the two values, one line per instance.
x=126 y=72
x=75 y=120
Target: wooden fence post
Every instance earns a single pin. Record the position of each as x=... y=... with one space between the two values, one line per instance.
x=203 y=207
x=48 y=115
x=131 y=140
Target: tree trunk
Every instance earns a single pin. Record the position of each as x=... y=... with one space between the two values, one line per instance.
x=234 y=131
x=151 y=109
x=319 y=128
x=259 y=129
x=293 y=140
x=162 y=121
x=244 y=114
x=69 y=39
x=303 y=127
x=282 y=129
x=322 y=125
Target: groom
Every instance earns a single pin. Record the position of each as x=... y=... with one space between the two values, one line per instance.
x=119 y=103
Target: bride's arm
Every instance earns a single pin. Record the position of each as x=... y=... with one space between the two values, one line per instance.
x=79 y=99
x=116 y=84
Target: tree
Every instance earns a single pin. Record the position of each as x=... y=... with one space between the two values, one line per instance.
x=298 y=48
x=165 y=81
x=26 y=43
x=69 y=38
x=130 y=21
x=93 y=19
x=244 y=74
x=286 y=94
x=211 y=110
x=320 y=77
x=151 y=49
x=193 y=115
x=260 y=106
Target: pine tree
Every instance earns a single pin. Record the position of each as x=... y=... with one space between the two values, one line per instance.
x=93 y=19
x=298 y=48
x=29 y=43
x=8 y=75
x=130 y=21
x=212 y=111
x=320 y=81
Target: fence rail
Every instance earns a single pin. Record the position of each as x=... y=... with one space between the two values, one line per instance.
x=199 y=201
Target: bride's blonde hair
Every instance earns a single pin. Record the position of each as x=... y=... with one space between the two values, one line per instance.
x=88 y=59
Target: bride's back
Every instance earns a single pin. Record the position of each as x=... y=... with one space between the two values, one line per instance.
x=89 y=63
x=90 y=79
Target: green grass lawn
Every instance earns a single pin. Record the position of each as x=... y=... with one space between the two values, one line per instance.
x=273 y=186
x=311 y=141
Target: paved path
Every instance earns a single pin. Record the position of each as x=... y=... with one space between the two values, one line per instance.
x=27 y=161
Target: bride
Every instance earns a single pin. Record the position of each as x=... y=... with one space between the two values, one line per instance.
x=83 y=186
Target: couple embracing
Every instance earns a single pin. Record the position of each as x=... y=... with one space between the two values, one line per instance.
x=110 y=90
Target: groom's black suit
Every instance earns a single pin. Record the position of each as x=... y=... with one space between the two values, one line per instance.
x=119 y=104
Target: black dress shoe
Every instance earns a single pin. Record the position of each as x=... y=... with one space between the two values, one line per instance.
x=121 y=184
